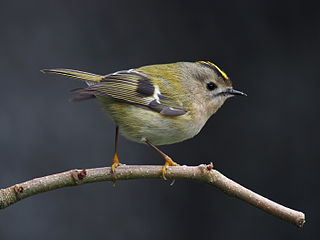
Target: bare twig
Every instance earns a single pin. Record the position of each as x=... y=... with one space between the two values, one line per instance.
x=201 y=173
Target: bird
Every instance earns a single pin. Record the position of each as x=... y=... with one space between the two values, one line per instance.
x=156 y=104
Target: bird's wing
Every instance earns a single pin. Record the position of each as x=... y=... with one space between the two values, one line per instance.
x=137 y=88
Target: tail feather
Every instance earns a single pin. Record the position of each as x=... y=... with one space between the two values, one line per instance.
x=75 y=74
x=82 y=97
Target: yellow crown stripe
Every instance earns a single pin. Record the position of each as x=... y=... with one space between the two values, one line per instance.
x=210 y=64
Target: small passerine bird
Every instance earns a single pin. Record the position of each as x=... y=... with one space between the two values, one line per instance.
x=157 y=104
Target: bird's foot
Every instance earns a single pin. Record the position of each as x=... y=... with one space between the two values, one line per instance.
x=115 y=164
x=169 y=162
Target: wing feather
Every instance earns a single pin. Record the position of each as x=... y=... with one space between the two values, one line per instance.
x=136 y=88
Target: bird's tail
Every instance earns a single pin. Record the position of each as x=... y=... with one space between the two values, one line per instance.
x=89 y=77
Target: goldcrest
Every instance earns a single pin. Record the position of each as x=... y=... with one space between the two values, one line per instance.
x=157 y=104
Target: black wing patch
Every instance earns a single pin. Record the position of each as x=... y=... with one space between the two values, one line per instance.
x=145 y=88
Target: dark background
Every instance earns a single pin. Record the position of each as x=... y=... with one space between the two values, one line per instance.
x=268 y=141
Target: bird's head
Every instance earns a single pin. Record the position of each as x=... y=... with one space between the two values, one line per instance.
x=210 y=86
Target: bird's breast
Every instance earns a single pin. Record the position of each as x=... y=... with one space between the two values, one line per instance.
x=137 y=123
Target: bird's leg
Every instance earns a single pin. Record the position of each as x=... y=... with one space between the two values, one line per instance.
x=116 y=162
x=168 y=160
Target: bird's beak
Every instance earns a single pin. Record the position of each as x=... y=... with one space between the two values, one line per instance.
x=234 y=92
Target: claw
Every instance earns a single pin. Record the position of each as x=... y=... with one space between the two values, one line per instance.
x=164 y=170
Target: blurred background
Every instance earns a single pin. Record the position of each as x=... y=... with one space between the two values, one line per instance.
x=267 y=142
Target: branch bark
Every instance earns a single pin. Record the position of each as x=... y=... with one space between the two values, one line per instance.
x=202 y=173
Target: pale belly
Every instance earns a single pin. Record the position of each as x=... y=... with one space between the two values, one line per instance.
x=136 y=123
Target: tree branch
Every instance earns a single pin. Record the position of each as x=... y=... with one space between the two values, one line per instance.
x=202 y=173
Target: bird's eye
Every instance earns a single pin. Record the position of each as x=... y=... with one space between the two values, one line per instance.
x=211 y=86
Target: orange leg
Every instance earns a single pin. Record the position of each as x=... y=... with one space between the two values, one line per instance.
x=116 y=162
x=168 y=160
